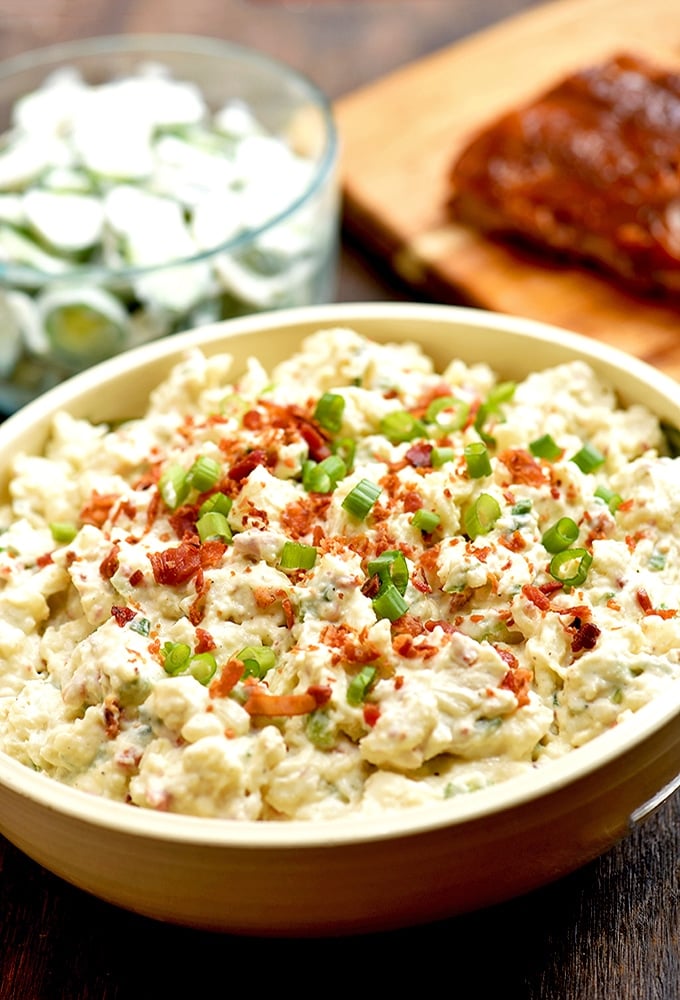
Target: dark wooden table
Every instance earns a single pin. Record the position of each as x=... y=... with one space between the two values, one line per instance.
x=609 y=931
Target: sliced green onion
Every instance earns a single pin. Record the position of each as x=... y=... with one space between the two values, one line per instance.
x=360 y=685
x=588 y=458
x=480 y=517
x=500 y=393
x=63 y=531
x=458 y=410
x=612 y=499
x=204 y=473
x=361 y=498
x=319 y=730
x=477 y=458
x=560 y=535
x=439 y=456
x=323 y=477
x=329 y=410
x=389 y=603
x=657 y=561
x=213 y=525
x=392 y=568
x=560 y=563
x=202 y=667
x=141 y=625
x=295 y=555
x=426 y=520
x=217 y=503
x=522 y=506
x=345 y=448
x=176 y=656
x=402 y=426
x=545 y=447
x=257 y=660
x=173 y=486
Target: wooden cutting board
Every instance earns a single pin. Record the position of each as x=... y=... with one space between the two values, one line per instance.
x=400 y=134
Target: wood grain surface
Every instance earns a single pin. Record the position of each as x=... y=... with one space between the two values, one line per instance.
x=610 y=931
x=401 y=134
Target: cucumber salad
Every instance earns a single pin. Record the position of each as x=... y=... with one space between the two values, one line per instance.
x=130 y=209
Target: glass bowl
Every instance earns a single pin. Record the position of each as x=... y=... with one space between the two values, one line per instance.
x=156 y=184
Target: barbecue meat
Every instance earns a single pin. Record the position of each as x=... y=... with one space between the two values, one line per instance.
x=589 y=170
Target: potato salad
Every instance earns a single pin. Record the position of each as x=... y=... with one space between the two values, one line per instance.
x=349 y=584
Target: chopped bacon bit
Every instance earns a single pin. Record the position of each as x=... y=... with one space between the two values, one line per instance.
x=408 y=625
x=645 y=603
x=298 y=517
x=261 y=703
x=412 y=502
x=586 y=637
x=109 y=563
x=266 y=596
x=318 y=448
x=441 y=623
x=536 y=596
x=197 y=608
x=507 y=656
x=403 y=645
x=183 y=520
x=371 y=587
x=149 y=478
x=352 y=646
x=128 y=758
x=44 y=560
x=613 y=605
x=245 y=465
x=111 y=716
x=152 y=510
x=420 y=455
x=230 y=675
x=204 y=641
x=522 y=467
x=580 y=611
x=122 y=615
x=515 y=542
x=371 y=714
x=320 y=692
x=136 y=578
x=174 y=566
x=253 y=420
x=211 y=553
x=627 y=504
x=420 y=583
x=460 y=599
x=519 y=682
x=98 y=508
x=128 y=508
x=398 y=682
x=482 y=553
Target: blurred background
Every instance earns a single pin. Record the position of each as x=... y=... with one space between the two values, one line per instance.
x=341 y=44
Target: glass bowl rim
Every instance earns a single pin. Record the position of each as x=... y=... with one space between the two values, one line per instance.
x=189 y=44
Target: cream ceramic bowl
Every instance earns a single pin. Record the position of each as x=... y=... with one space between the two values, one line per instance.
x=347 y=876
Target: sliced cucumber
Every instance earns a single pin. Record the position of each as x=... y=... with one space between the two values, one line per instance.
x=83 y=325
x=67 y=222
x=15 y=248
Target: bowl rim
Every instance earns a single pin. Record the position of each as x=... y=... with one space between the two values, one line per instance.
x=51 y=57
x=253 y=835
